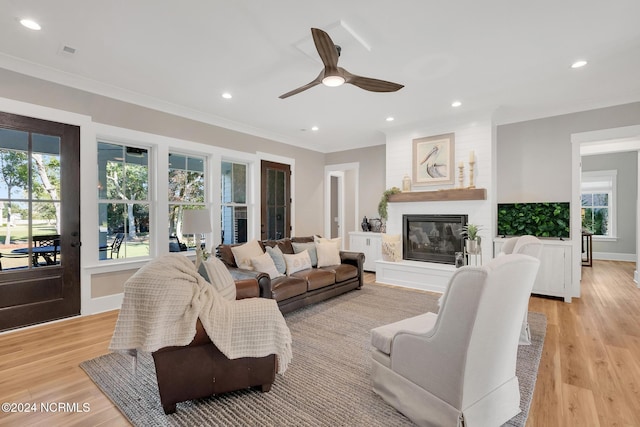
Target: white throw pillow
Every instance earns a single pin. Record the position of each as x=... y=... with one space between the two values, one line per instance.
x=264 y=263
x=336 y=240
x=297 y=262
x=328 y=254
x=216 y=273
x=244 y=253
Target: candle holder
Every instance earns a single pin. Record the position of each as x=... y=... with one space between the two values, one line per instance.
x=461 y=175
x=471 y=185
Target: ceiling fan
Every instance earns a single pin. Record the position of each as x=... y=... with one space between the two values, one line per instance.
x=332 y=75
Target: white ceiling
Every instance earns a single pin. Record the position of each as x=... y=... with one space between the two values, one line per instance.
x=507 y=58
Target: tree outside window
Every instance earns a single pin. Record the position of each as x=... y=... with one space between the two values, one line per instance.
x=187 y=190
x=123 y=200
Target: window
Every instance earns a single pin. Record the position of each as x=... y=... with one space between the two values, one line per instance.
x=123 y=201
x=186 y=191
x=598 y=202
x=233 y=194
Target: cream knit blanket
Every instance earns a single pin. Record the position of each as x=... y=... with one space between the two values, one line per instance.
x=164 y=299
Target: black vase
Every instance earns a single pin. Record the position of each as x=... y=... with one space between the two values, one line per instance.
x=365 y=224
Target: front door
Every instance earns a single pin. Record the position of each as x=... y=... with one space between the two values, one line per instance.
x=275 y=201
x=39 y=221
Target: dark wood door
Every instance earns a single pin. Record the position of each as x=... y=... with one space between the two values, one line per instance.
x=275 y=200
x=40 y=226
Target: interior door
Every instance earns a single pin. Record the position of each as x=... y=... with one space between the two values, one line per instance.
x=275 y=201
x=39 y=221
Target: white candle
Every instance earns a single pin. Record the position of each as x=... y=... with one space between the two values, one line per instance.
x=472 y=157
x=461 y=164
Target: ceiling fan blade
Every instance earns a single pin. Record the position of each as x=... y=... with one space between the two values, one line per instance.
x=309 y=85
x=325 y=47
x=373 y=85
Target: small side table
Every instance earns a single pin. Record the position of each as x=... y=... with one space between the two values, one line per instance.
x=468 y=257
x=587 y=248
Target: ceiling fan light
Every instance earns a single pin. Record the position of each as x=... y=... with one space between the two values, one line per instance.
x=333 y=81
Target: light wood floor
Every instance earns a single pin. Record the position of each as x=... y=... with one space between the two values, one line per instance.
x=589 y=373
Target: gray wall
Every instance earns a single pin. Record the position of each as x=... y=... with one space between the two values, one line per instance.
x=371 y=177
x=309 y=167
x=534 y=157
x=627 y=189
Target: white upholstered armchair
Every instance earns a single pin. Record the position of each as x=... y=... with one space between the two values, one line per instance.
x=528 y=245
x=459 y=367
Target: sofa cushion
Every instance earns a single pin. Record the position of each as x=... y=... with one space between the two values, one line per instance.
x=283 y=244
x=276 y=255
x=244 y=253
x=316 y=278
x=336 y=240
x=343 y=271
x=328 y=254
x=225 y=254
x=264 y=263
x=297 y=262
x=285 y=287
x=309 y=247
x=305 y=239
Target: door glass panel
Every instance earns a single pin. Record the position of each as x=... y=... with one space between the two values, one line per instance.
x=30 y=199
x=276 y=206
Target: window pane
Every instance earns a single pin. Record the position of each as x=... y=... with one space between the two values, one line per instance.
x=239 y=183
x=14 y=146
x=225 y=182
x=45 y=167
x=137 y=175
x=587 y=200
x=186 y=178
x=601 y=221
x=233 y=183
x=123 y=182
x=234 y=224
x=601 y=199
x=130 y=219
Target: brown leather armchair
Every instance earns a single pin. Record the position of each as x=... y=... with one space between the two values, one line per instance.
x=200 y=370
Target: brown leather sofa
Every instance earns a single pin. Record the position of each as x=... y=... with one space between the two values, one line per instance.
x=200 y=370
x=304 y=287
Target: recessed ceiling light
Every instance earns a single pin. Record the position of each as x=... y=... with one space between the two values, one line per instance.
x=455 y=104
x=579 y=64
x=314 y=128
x=227 y=95
x=390 y=119
x=30 y=24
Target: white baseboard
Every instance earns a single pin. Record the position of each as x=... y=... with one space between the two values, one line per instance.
x=613 y=256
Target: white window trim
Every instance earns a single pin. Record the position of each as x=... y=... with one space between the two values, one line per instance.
x=612 y=176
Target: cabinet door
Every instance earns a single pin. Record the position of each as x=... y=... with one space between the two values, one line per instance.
x=551 y=275
x=367 y=245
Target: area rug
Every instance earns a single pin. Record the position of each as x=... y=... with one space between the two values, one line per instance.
x=327 y=384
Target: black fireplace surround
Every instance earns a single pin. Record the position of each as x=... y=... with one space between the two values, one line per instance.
x=432 y=238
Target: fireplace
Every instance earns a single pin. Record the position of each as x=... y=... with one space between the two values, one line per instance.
x=432 y=238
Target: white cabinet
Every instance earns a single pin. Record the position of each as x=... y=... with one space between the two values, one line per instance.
x=370 y=244
x=554 y=275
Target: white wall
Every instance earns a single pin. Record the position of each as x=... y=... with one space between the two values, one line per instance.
x=472 y=135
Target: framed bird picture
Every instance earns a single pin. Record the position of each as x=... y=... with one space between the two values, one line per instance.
x=433 y=160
